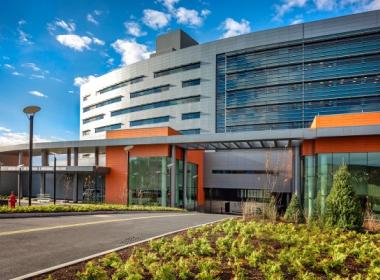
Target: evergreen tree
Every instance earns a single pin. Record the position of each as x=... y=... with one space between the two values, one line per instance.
x=294 y=213
x=343 y=208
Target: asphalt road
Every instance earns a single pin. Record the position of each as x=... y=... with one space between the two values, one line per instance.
x=31 y=244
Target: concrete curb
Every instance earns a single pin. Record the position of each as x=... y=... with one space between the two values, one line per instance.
x=58 y=214
x=50 y=269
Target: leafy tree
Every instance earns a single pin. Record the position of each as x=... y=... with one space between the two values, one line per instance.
x=343 y=209
x=294 y=213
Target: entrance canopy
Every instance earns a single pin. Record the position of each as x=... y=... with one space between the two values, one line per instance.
x=225 y=141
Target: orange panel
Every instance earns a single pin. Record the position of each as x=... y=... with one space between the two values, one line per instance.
x=150 y=151
x=117 y=180
x=354 y=119
x=308 y=148
x=356 y=144
x=141 y=132
x=197 y=157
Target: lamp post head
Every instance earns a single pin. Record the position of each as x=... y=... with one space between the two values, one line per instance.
x=31 y=110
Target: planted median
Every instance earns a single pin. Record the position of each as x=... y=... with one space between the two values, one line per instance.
x=241 y=249
x=82 y=208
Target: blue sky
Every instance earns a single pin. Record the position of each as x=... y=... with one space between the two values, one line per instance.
x=48 y=48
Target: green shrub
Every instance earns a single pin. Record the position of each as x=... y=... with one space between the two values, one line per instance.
x=294 y=213
x=343 y=208
x=92 y=272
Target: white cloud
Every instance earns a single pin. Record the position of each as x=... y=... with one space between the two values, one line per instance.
x=32 y=66
x=24 y=37
x=9 y=137
x=286 y=6
x=134 y=29
x=233 y=28
x=67 y=26
x=131 y=51
x=188 y=16
x=98 y=41
x=15 y=73
x=4 y=129
x=205 y=12
x=91 y=19
x=169 y=4
x=325 y=5
x=298 y=19
x=76 y=42
x=9 y=66
x=34 y=76
x=371 y=5
x=110 y=61
x=79 y=81
x=155 y=19
x=37 y=93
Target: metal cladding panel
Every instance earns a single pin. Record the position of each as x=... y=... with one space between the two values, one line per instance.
x=206 y=54
x=264 y=163
x=342 y=24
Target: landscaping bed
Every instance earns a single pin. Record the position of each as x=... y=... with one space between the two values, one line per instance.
x=82 y=208
x=241 y=249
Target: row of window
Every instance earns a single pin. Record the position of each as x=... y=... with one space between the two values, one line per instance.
x=149 y=121
x=149 y=91
x=94 y=118
x=103 y=103
x=242 y=172
x=108 y=127
x=177 y=69
x=154 y=105
x=158 y=89
x=122 y=84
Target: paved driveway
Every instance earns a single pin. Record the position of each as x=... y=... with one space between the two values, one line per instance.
x=31 y=244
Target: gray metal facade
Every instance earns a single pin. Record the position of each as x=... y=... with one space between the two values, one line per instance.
x=205 y=54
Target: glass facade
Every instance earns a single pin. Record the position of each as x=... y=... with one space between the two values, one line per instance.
x=190 y=131
x=149 y=182
x=318 y=178
x=287 y=86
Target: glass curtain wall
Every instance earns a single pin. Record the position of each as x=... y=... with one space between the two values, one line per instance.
x=318 y=178
x=286 y=86
x=149 y=182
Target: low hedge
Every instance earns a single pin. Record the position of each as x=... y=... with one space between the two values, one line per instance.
x=82 y=208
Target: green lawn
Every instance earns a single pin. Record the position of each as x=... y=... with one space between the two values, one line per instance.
x=82 y=208
x=237 y=249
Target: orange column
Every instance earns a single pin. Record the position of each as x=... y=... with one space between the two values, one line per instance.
x=117 y=180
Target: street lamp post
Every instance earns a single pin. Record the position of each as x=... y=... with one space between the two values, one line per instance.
x=30 y=111
x=19 y=184
x=54 y=177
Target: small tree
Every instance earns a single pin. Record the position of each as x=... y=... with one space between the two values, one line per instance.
x=294 y=213
x=343 y=209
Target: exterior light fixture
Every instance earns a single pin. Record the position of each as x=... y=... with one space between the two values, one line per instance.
x=30 y=111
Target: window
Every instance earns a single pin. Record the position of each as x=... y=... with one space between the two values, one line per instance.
x=189 y=116
x=94 y=118
x=101 y=104
x=86 y=132
x=159 y=104
x=177 y=69
x=190 y=131
x=243 y=172
x=149 y=91
x=108 y=127
x=191 y=83
x=121 y=84
x=86 y=97
x=149 y=121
